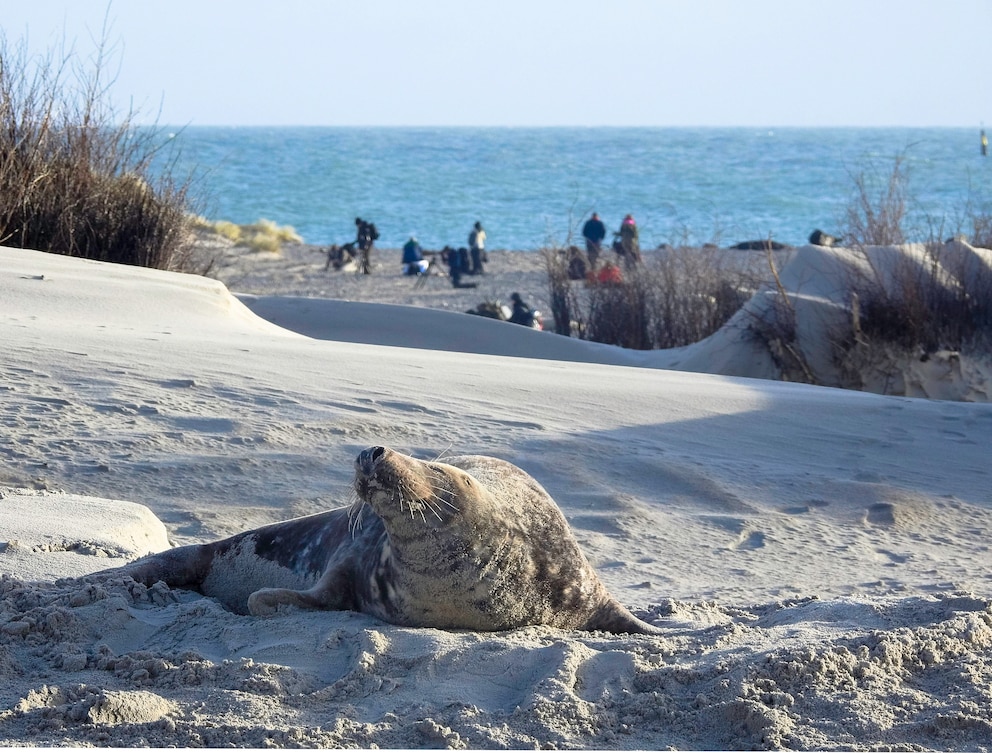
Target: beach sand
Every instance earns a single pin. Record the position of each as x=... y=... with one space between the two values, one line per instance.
x=818 y=559
x=299 y=270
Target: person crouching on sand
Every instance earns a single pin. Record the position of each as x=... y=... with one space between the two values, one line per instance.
x=413 y=262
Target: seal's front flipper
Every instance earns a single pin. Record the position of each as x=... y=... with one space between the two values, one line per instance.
x=332 y=593
x=266 y=601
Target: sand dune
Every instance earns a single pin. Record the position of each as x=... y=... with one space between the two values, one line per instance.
x=818 y=559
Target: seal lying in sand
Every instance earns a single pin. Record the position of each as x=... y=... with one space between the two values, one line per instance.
x=473 y=543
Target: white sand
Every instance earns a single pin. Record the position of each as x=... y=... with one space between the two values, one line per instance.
x=819 y=559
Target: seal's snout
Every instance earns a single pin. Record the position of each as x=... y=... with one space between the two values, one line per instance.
x=368 y=458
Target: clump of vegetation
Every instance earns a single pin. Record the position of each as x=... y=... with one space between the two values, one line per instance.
x=877 y=211
x=75 y=178
x=562 y=295
x=980 y=226
x=937 y=296
x=262 y=236
x=902 y=306
x=938 y=299
x=675 y=297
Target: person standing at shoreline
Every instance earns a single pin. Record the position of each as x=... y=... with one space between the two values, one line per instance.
x=366 y=235
x=477 y=248
x=629 y=241
x=594 y=231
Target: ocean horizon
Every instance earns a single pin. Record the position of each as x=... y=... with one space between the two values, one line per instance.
x=532 y=187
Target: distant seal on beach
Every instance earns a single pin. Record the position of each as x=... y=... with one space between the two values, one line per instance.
x=471 y=543
x=819 y=238
x=764 y=245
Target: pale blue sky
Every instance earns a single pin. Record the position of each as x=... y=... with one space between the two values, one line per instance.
x=534 y=62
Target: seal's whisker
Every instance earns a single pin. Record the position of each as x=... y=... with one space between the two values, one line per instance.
x=442 y=453
x=448 y=503
x=443 y=498
x=401 y=499
x=433 y=507
x=434 y=500
x=356 y=513
x=437 y=487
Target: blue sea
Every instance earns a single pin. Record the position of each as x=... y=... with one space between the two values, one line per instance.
x=533 y=187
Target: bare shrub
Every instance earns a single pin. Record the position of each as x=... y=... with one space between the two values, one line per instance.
x=981 y=229
x=619 y=313
x=941 y=300
x=694 y=291
x=674 y=297
x=564 y=304
x=77 y=180
x=877 y=210
x=776 y=325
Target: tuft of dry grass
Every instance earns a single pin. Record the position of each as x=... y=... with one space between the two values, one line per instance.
x=262 y=236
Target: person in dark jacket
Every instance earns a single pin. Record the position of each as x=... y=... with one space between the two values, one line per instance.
x=629 y=248
x=457 y=266
x=366 y=235
x=522 y=313
x=594 y=231
x=413 y=258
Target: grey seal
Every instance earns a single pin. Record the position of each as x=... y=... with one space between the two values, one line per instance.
x=471 y=543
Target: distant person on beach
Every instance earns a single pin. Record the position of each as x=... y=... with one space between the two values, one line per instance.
x=608 y=274
x=413 y=262
x=629 y=247
x=594 y=231
x=578 y=264
x=985 y=144
x=449 y=256
x=366 y=236
x=340 y=257
x=457 y=266
x=477 y=247
x=522 y=313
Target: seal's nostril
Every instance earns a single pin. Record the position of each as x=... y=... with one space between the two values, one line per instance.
x=369 y=457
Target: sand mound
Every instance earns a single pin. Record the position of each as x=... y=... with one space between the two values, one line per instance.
x=111 y=532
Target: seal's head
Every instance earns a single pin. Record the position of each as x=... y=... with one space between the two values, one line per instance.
x=399 y=487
